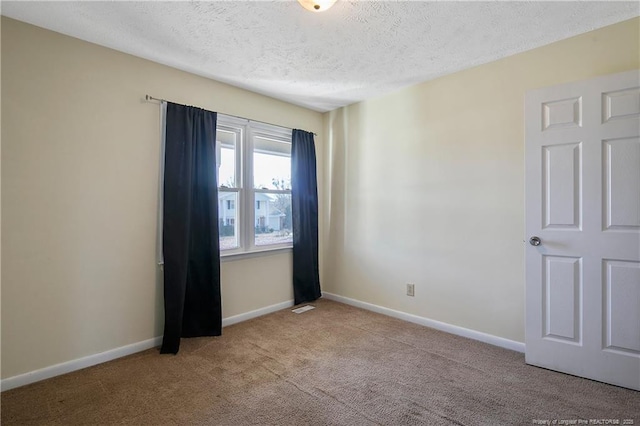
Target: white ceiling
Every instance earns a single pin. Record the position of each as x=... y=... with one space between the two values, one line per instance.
x=354 y=51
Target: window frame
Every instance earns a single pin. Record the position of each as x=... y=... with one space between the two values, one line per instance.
x=246 y=132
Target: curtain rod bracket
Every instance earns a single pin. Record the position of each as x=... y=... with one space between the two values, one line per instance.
x=151 y=98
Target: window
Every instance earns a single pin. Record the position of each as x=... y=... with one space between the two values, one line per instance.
x=254 y=178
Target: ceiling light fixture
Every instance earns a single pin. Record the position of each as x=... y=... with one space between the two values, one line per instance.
x=316 y=5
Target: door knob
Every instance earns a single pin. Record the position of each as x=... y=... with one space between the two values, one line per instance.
x=535 y=241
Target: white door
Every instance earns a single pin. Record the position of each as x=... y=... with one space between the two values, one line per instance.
x=583 y=204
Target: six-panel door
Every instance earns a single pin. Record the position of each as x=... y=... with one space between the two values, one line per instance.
x=583 y=202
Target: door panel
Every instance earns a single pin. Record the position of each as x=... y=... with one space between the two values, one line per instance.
x=621 y=163
x=562 y=113
x=622 y=293
x=621 y=104
x=562 y=298
x=583 y=202
x=561 y=186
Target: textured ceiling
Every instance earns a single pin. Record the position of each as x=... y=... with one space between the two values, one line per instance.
x=354 y=51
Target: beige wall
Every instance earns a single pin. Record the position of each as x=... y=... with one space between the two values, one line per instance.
x=79 y=195
x=426 y=185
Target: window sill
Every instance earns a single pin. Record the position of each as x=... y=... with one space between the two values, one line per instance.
x=256 y=253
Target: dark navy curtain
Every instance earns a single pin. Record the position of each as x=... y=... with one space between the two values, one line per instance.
x=190 y=227
x=304 y=208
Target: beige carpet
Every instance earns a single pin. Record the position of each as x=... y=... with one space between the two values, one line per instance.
x=332 y=365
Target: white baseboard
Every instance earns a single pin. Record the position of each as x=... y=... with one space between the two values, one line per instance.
x=88 y=361
x=442 y=326
x=77 y=364
x=257 y=313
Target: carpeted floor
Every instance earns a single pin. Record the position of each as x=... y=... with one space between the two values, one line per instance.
x=335 y=364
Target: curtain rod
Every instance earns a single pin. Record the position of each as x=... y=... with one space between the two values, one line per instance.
x=151 y=98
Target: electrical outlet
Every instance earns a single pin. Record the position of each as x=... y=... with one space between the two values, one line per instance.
x=411 y=290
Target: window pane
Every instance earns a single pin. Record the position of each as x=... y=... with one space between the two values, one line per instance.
x=271 y=164
x=228 y=219
x=226 y=157
x=273 y=219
